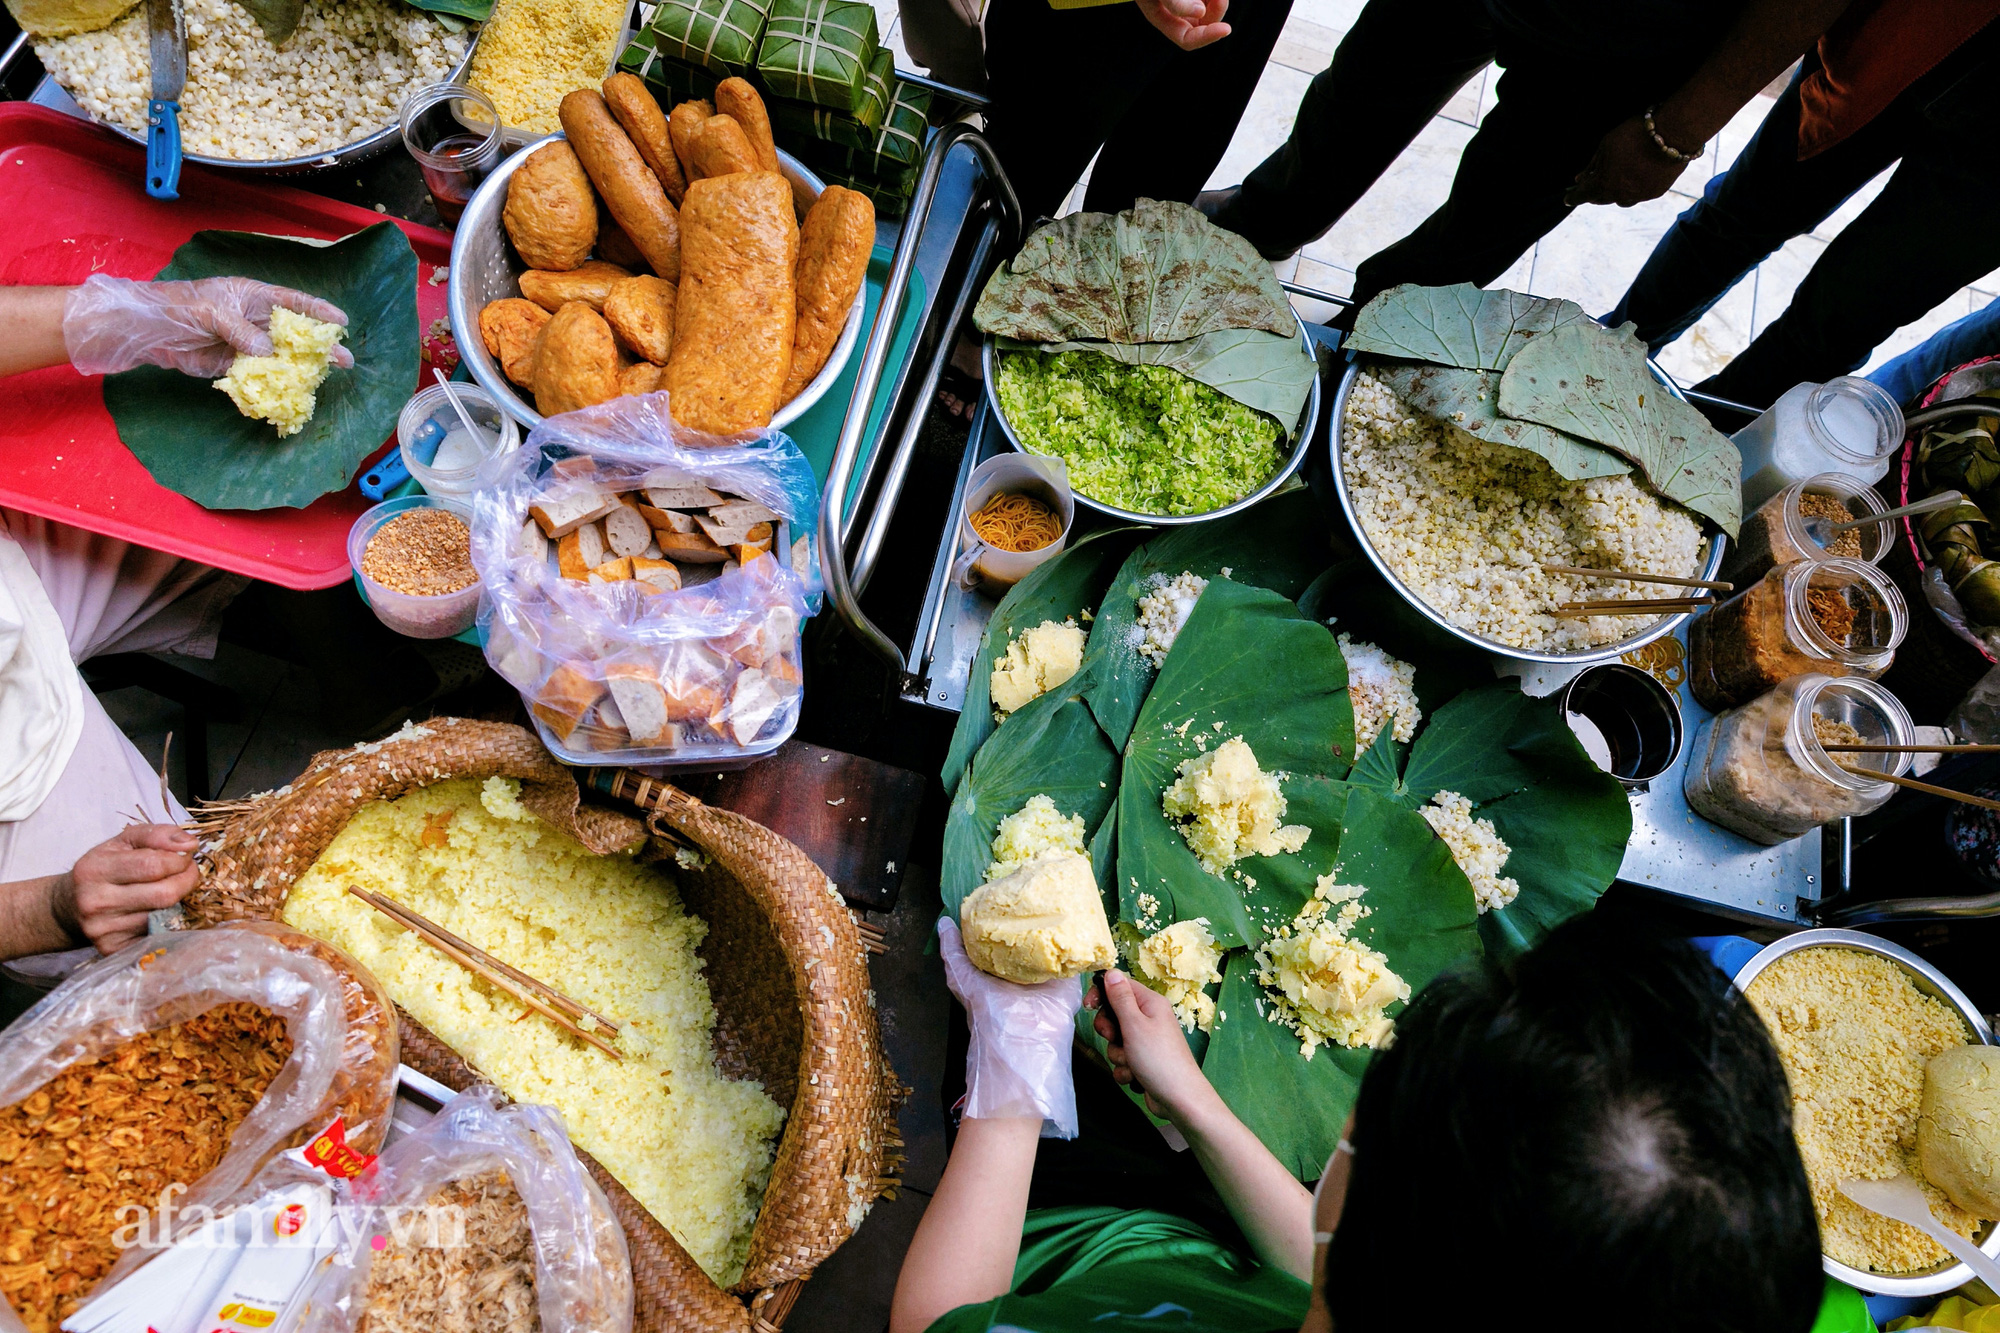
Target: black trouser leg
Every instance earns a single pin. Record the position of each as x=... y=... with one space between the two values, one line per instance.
x=1178 y=127
x=1747 y=213
x=1395 y=69
x=1061 y=80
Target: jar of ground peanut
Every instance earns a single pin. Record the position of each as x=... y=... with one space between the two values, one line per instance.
x=1793 y=525
x=1836 y=617
x=1764 y=770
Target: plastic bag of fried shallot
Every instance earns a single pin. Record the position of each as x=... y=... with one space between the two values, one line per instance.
x=150 y=1087
x=476 y=1223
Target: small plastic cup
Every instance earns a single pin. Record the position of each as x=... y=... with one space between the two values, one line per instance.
x=1637 y=719
x=428 y=418
x=1047 y=480
x=453 y=131
x=417 y=617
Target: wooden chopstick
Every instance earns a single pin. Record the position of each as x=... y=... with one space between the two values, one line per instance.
x=1717 y=584
x=482 y=964
x=1963 y=797
x=1672 y=605
x=1912 y=749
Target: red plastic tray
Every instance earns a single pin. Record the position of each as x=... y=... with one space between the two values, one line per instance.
x=75 y=205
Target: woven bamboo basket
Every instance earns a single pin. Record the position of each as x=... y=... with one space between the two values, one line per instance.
x=783 y=958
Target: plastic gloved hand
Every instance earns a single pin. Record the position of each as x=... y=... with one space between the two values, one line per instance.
x=194 y=327
x=1019 y=1061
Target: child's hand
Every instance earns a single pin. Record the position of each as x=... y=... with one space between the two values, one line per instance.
x=1148 y=1050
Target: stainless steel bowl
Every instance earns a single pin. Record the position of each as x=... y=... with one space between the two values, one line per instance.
x=1942 y=1278
x=1610 y=652
x=1301 y=438
x=371 y=145
x=485 y=268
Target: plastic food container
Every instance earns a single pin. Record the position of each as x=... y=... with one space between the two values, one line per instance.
x=428 y=422
x=1776 y=532
x=1836 y=617
x=1847 y=424
x=418 y=617
x=1762 y=770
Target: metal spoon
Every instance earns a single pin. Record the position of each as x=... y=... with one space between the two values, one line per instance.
x=1903 y=1199
x=1821 y=531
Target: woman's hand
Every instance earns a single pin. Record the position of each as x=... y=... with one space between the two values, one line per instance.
x=1628 y=168
x=1188 y=24
x=1018 y=1063
x=105 y=898
x=1149 y=1051
x=198 y=327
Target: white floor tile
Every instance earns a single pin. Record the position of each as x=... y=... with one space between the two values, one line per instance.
x=1324 y=277
x=1852 y=208
x=1467 y=104
x=1286 y=268
x=1336 y=14
x=1305 y=46
x=1716 y=337
x=1266 y=123
x=1406 y=194
x=1520 y=277
x=1592 y=257
x=1779 y=276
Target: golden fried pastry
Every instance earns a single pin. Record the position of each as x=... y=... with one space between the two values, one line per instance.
x=631 y=191
x=639 y=377
x=637 y=110
x=590 y=284
x=576 y=361
x=834 y=245
x=721 y=148
x=734 y=310
x=550 y=214
x=736 y=99
x=681 y=125
x=510 y=328
x=640 y=312
x=615 y=247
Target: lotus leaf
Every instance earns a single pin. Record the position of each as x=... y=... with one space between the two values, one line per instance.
x=1246 y=664
x=278 y=18
x=1064 y=588
x=1259 y=369
x=1461 y=325
x=1594 y=382
x=1470 y=400
x=1052 y=747
x=190 y=436
x=1280 y=544
x=1156 y=273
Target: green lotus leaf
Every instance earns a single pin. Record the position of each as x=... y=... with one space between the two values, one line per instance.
x=1246 y=664
x=1280 y=544
x=1051 y=746
x=190 y=436
x=1470 y=400
x=1460 y=325
x=1594 y=382
x=1064 y=588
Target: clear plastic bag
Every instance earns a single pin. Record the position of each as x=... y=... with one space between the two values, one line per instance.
x=583 y=1272
x=617 y=671
x=341 y=1025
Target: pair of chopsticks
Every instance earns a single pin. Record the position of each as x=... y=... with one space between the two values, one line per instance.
x=1637 y=606
x=540 y=997
x=1716 y=585
x=1928 y=788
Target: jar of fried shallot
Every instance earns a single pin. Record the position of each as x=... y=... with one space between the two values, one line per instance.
x=1835 y=617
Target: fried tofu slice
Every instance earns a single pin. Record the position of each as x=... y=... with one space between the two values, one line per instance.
x=589 y=283
x=639 y=114
x=550 y=213
x=684 y=120
x=632 y=193
x=739 y=101
x=736 y=306
x=639 y=377
x=576 y=361
x=640 y=311
x=834 y=246
x=509 y=327
x=721 y=148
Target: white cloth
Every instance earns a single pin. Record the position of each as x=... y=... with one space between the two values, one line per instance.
x=106 y=596
x=41 y=697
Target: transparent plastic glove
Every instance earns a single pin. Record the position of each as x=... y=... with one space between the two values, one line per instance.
x=198 y=327
x=1019 y=1060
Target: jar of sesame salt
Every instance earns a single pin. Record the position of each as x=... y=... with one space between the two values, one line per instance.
x=1836 y=617
x=1797 y=524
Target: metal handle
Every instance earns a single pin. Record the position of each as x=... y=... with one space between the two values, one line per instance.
x=14 y=49
x=1908 y=909
x=832 y=540
x=1963 y=407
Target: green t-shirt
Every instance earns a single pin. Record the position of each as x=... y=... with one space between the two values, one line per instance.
x=1100 y=1270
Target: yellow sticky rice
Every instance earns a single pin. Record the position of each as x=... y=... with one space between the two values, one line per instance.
x=1178 y=962
x=1323 y=985
x=1036 y=830
x=692 y=1146
x=1227 y=808
x=281 y=388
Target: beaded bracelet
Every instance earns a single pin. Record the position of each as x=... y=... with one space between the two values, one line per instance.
x=1665 y=147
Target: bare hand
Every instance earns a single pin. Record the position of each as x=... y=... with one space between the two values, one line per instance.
x=1188 y=24
x=1628 y=168
x=105 y=898
x=1147 y=1049
x=198 y=327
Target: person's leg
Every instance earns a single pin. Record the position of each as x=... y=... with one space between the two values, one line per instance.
x=1395 y=69
x=1060 y=79
x=1158 y=150
x=1968 y=339
x=1766 y=198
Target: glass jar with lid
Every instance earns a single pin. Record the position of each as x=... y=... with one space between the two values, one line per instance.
x=1793 y=525
x=1836 y=617
x=1847 y=424
x=1763 y=769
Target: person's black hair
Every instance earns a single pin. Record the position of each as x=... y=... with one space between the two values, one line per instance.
x=1600 y=1138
